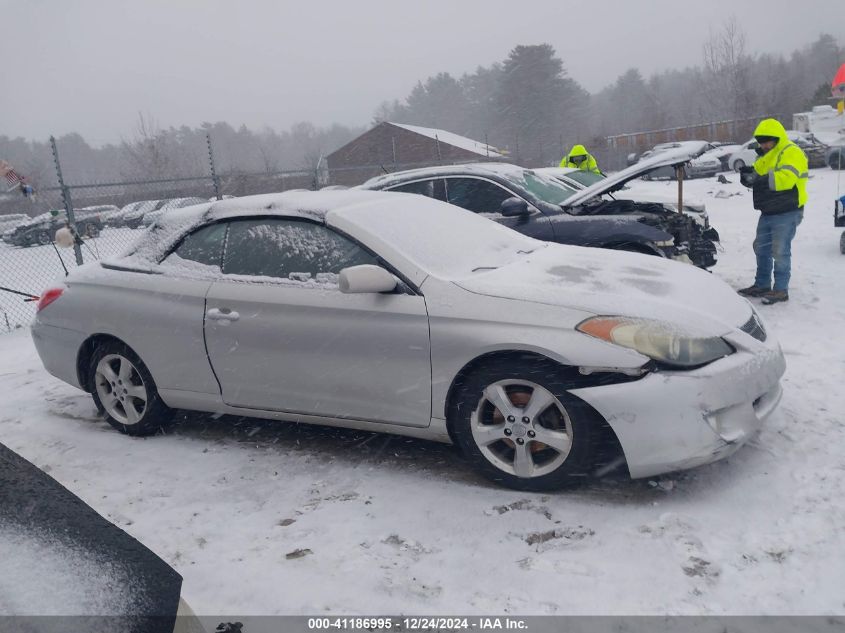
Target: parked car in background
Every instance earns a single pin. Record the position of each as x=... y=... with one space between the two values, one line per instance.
x=543 y=207
x=134 y=218
x=702 y=164
x=723 y=152
x=835 y=157
x=175 y=203
x=42 y=229
x=818 y=153
x=581 y=179
x=11 y=221
x=405 y=315
x=117 y=219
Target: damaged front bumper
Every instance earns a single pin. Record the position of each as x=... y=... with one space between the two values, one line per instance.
x=674 y=420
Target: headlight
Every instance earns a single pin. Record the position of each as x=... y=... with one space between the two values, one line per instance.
x=658 y=340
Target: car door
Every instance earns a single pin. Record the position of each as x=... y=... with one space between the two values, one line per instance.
x=281 y=336
x=166 y=312
x=485 y=197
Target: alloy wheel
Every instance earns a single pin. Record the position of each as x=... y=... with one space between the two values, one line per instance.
x=521 y=428
x=121 y=389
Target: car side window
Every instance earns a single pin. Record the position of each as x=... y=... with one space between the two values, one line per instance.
x=289 y=249
x=474 y=194
x=204 y=246
x=432 y=188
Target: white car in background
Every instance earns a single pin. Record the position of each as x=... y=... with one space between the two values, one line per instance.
x=817 y=152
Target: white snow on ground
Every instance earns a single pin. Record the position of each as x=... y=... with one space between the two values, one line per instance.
x=269 y=518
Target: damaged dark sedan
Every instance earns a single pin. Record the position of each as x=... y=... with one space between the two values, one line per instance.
x=543 y=207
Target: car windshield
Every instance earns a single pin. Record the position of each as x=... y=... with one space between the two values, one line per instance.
x=540 y=187
x=586 y=178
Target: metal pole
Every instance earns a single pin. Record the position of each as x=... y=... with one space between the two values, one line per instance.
x=71 y=219
x=439 y=157
x=393 y=142
x=679 y=174
x=487 y=144
x=214 y=179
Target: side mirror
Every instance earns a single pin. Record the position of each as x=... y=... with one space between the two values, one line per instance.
x=513 y=207
x=366 y=278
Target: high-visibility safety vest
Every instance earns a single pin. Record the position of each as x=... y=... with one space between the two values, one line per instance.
x=784 y=167
x=587 y=165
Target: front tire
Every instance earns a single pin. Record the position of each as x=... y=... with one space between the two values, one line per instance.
x=518 y=425
x=738 y=165
x=124 y=391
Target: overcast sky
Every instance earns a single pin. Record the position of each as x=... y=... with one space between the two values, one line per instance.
x=92 y=65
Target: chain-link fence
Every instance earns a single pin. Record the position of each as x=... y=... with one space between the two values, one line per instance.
x=108 y=217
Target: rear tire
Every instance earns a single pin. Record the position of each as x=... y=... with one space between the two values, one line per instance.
x=503 y=412
x=124 y=391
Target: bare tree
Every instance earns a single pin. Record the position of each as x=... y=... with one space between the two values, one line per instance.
x=150 y=154
x=727 y=65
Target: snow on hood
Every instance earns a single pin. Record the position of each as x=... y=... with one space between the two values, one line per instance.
x=666 y=158
x=44 y=574
x=605 y=282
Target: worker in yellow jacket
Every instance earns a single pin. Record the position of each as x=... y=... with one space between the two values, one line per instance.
x=778 y=181
x=580 y=158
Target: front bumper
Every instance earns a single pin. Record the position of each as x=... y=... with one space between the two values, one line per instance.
x=674 y=420
x=59 y=349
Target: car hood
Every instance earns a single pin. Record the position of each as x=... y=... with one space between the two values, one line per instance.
x=605 y=282
x=614 y=182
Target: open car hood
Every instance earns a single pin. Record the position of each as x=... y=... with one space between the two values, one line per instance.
x=614 y=182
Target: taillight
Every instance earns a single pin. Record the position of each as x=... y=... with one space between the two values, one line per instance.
x=48 y=297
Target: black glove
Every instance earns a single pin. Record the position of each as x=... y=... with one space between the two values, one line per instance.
x=747 y=176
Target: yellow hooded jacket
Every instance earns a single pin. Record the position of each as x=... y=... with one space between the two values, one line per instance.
x=783 y=170
x=587 y=165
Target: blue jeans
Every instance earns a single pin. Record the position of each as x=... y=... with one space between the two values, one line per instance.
x=773 y=246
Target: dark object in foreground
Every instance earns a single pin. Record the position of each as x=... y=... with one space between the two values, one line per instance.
x=36 y=506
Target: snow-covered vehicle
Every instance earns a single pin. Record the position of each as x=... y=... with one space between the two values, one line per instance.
x=541 y=206
x=176 y=203
x=705 y=159
x=835 y=157
x=406 y=315
x=42 y=229
x=11 y=221
x=581 y=179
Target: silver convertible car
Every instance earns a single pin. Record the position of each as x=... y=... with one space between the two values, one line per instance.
x=397 y=313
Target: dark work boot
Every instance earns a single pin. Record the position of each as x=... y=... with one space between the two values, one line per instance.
x=754 y=291
x=775 y=296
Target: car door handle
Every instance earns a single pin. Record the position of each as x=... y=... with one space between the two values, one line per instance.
x=224 y=314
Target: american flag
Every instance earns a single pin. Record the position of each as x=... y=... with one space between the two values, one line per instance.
x=12 y=177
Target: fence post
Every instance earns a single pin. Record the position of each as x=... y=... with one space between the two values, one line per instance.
x=214 y=178
x=71 y=218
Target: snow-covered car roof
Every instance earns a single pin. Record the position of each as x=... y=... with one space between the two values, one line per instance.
x=387 y=180
x=398 y=226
